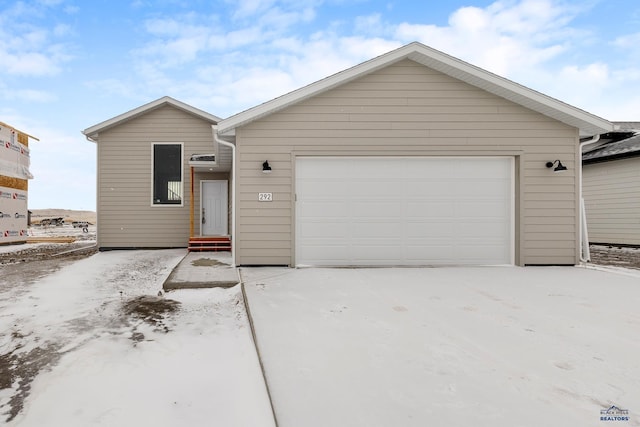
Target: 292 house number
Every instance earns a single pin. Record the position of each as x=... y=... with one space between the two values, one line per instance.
x=265 y=197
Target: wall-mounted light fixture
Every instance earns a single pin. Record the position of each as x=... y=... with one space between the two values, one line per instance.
x=265 y=167
x=559 y=168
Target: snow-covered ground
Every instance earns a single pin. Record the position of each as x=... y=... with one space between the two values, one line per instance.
x=93 y=344
x=448 y=347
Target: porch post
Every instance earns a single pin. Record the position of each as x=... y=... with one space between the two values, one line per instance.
x=191 y=203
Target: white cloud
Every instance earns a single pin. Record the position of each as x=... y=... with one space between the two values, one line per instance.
x=370 y=25
x=279 y=19
x=246 y=8
x=50 y=2
x=502 y=37
x=629 y=41
x=62 y=30
x=626 y=109
x=29 y=95
x=111 y=86
x=592 y=74
x=238 y=38
x=28 y=48
x=31 y=63
x=182 y=26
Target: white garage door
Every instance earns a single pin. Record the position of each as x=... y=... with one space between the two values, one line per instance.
x=372 y=211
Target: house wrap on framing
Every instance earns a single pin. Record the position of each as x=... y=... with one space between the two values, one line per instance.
x=14 y=184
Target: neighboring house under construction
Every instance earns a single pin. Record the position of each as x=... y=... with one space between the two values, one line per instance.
x=14 y=183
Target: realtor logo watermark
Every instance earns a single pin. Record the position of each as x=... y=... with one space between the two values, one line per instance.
x=614 y=413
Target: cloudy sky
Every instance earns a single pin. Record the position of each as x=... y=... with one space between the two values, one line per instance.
x=70 y=64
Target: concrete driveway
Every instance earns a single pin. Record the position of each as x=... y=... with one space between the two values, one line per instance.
x=556 y=346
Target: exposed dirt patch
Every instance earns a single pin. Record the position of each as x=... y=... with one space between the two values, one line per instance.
x=18 y=369
x=151 y=310
x=61 y=251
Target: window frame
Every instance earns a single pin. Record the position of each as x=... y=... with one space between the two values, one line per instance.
x=182 y=178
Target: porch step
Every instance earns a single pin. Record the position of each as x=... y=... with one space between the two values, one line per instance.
x=211 y=244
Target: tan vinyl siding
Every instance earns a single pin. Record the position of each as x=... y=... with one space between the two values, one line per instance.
x=125 y=215
x=612 y=198
x=407 y=109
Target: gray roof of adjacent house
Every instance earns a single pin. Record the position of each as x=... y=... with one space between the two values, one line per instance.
x=624 y=126
x=625 y=142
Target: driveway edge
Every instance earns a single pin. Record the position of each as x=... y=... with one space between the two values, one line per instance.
x=255 y=345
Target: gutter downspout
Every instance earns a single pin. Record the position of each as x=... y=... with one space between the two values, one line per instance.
x=214 y=128
x=585 y=254
x=191 y=213
x=97 y=187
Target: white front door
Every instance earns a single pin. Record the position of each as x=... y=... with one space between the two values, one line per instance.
x=214 y=212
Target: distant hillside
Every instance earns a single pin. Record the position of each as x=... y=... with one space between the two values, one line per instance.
x=69 y=215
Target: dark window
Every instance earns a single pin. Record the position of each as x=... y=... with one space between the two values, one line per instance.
x=167 y=174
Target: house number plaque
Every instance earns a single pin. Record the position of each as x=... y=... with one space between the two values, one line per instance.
x=265 y=197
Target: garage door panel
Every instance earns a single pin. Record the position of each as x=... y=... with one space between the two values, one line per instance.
x=483 y=253
x=376 y=230
x=366 y=251
x=438 y=254
x=430 y=209
x=483 y=189
x=373 y=188
x=323 y=209
x=470 y=168
x=433 y=229
x=327 y=188
x=481 y=209
x=426 y=189
x=338 y=254
x=485 y=230
x=404 y=211
x=430 y=170
x=323 y=230
x=374 y=209
x=370 y=169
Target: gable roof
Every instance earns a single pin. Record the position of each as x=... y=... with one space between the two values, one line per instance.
x=93 y=131
x=588 y=124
